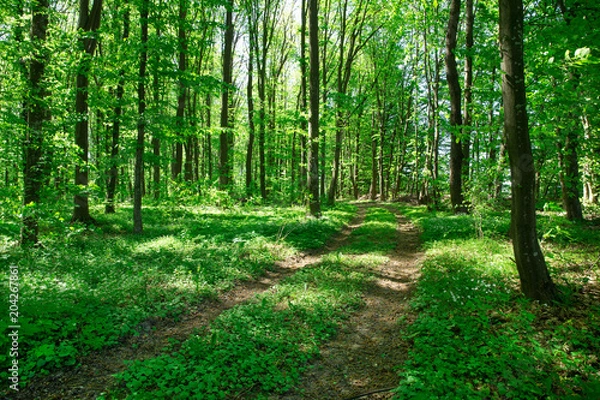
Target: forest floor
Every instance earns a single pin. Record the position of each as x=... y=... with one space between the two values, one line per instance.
x=358 y=362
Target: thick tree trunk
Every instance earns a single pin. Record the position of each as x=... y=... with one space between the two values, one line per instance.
x=456 y=149
x=141 y=124
x=89 y=21
x=224 y=136
x=36 y=113
x=313 y=178
x=535 y=279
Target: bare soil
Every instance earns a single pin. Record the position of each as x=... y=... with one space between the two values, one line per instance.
x=358 y=363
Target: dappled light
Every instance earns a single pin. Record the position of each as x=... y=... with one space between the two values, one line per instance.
x=297 y=200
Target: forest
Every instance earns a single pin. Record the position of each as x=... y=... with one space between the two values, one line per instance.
x=328 y=199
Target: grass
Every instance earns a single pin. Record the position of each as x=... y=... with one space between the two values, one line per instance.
x=84 y=289
x=263 y=346
x=477 y=337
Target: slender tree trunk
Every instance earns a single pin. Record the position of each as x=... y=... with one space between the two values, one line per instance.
x=589 y=174
x=224 y=136
x=208 y=156
x=141 y=124
x=380 y=160
x=373 y=188
x=313 y=179
x=303 y=98
x=89 y=21
x=182 y=91
x=36 y=114
x=468 y=92
x=113 y=175
x=456 y=150
x=570 y=182
x=251 y=127
x=535 y=279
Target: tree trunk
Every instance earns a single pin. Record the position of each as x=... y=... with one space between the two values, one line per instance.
x=113 y=175
x=589 y=174
x=373 y=188
x=141 y=124
x=456 y=150
x=224 y=136
x=570 y=182
x=313 y=178
x=535 y=279
x=182 y=91
x=36 y=113
x=155 y=141
x=89 y=21
x=303 y=99
x=251 y=127
x=468 y=92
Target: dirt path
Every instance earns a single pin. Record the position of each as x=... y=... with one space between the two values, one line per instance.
x=359 y=359
x=359 y=362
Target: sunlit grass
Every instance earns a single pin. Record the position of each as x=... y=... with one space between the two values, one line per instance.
x=263 y=346
x=84 y=289
x=477 y=337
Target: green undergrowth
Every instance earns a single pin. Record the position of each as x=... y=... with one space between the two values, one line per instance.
x=476 y=337
x=260 y=346
x=376 y=235
x=86 y=288
x=263 y=346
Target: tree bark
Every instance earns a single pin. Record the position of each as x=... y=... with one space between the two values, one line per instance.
x=224 y=137
x=180 y=131
x=251 y=126
x=303 y=99
x=313 y=178
x=89 y=21
x=570 y=182
x=36 y=114
x=456 y=150
x=141 y=124
x=113 y=175
x=535 y=279
x=468 y=92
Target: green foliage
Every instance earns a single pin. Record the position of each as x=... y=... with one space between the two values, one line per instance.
x=375 y=235
x=260 y=346
x=476 y=337
x=264 y=345
x=85 y=288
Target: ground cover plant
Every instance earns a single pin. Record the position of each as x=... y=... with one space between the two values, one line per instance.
x=86 y=288
x=477 y=337
x=263 y=346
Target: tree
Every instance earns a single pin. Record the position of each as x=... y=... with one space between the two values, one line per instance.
x=111 y=185
x=313 y=177
x=37 y=113
x=89 y=22
x=138 y=226
x=225 y=178
x=182 y=87
x=456 y=122
x=535 y=279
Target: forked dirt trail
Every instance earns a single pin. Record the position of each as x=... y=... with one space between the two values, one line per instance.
x=360 y=359
x=360 y=362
